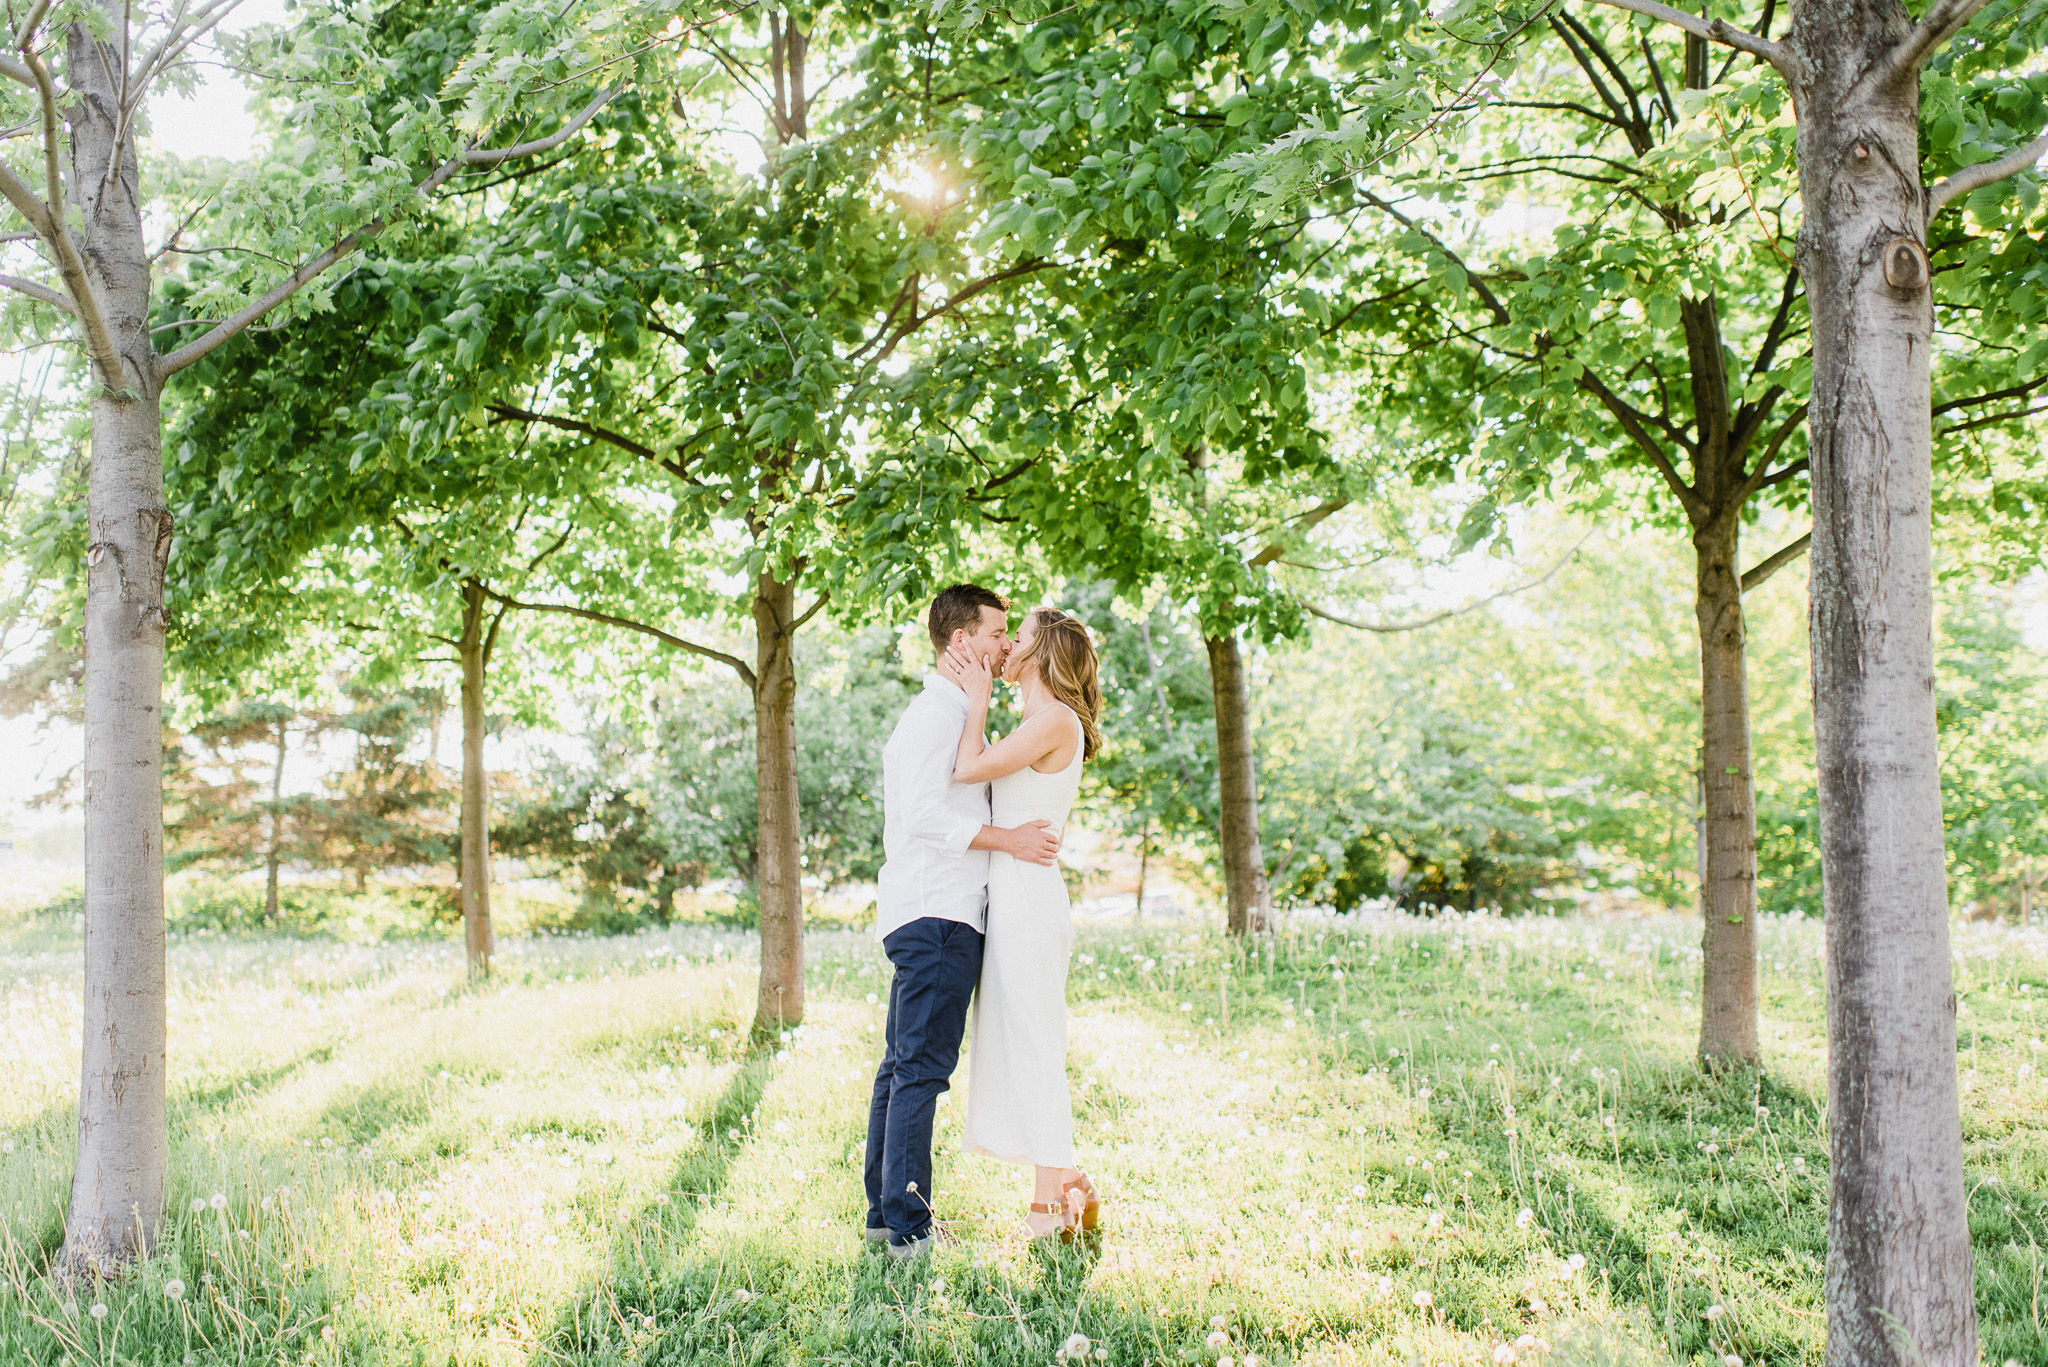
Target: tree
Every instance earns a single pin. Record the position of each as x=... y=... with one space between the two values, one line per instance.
x=1188 y=330
x=303 y=521
x=776 y=358
x=1659 y=335
x=228 y=822
x=386 y=810
x=1899 y=1283
x=1155 y=777
x=667 y=796
x=91 y=266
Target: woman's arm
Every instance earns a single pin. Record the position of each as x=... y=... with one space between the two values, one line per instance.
x=1037 y=738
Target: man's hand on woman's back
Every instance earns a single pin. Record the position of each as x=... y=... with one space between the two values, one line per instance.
x=1033 y=842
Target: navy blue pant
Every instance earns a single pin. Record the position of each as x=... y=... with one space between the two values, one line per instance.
x=937 y=964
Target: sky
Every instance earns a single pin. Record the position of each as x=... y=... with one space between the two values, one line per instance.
x=215 y=121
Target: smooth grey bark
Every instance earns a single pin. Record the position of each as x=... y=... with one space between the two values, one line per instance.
x=1899 y=1284
x=117 y=1191
x=1145 y=867
x=474 y=651
x=272 y=859
x=779 y=879
x=1244 y=864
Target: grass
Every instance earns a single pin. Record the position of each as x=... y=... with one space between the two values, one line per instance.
x=1372 y=1141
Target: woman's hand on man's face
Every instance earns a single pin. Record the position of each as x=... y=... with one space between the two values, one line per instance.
x=972 y=669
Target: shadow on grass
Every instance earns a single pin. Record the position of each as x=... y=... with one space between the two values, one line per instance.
x=38 y=1232
x=1669 y=1157
x=678 y=1295
x=245 y=1086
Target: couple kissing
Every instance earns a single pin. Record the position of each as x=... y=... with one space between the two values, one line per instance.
x=971 y=906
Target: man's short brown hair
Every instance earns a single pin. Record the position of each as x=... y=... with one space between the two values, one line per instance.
x=959 y=608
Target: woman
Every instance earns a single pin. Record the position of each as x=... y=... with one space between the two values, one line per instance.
x=1018 y=1108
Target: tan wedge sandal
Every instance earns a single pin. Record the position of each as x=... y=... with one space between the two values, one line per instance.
x=1090 y=1206
x=1063 y=1231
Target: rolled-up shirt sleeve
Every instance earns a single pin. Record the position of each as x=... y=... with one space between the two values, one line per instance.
x=929 y=761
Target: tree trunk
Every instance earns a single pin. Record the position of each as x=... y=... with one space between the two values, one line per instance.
x=270 y=862
x=779 y=880
x=1728 y=1006
x=1244 y=867
x=117 y=1190
x=1899 y=1285
x=476 y=815
x=1144 y=867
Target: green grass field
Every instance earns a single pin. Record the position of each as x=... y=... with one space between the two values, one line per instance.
x=1387 y=1141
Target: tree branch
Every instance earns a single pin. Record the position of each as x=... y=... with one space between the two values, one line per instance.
x=496 y=156
x=1989 y=418
x=1713 y=30
x=46 y=216
x=1775 y=336
x=1632 y=423
x=55 y=298
x=1969 y=178
x=811 y=611
x=1993 y=396
x=739 y=666
x=1472 y=278
x=591 y=430
x=1756 y=574
x=1585 y=61
x=1448 y=613
x=1763 y=477
x=200 y=347
x=1943 y=21
x=1300 y=522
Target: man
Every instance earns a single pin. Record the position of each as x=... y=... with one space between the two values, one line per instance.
x=931 y=912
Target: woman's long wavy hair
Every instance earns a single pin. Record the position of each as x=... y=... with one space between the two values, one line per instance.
x=1065 y=657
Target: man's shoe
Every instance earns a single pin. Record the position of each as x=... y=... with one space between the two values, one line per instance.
x=876 y=1234
x=914 y=1250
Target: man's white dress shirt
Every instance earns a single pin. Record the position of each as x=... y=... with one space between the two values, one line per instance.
x=928 y=820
